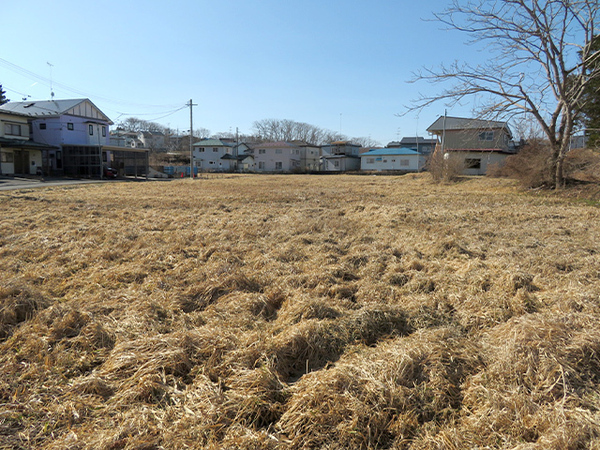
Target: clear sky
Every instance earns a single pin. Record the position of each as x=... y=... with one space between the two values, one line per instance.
x=343 y=65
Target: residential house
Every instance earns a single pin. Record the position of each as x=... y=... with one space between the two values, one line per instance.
x=153 y=140
x=477 y=143
x=392 y=159
x=214 y=155
x=340 y=156
x=579 y=141
x=278 y=157
x=418 y=143
x=245 y=158
x=80 y=131
x=246 y=163
x=122 y=138
x=310 y=156
x=18 y=154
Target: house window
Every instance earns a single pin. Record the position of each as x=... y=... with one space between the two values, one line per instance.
x=103 y=131
x=261 y=165
x=215 y=149
x=59 y=159
x=278 y=151
x=404 y=162
x=7 y=157
x=261 y=151
x=42 y=126
x=12 y=129
x=201 y=149
x=70 y=126
x=278 y=165
x=472 y=163
x=336 y=164
x=91 y=129
x=486 y=136
x=370 y=160
x=211 y=162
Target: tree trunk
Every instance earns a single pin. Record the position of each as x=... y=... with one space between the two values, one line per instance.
x=555 y=165
x=559 y=179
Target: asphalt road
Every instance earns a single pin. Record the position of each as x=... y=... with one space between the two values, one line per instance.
x=13 y=183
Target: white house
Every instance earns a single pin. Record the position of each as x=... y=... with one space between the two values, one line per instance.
x=214 y=155
x=278 y=157
x=340 y=156
x=396 y=159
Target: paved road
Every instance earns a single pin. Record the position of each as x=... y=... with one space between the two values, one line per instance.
x=12 y=183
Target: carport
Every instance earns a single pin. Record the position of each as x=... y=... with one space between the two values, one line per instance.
x=132 y=162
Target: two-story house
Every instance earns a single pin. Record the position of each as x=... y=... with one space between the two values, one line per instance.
x=214 y=155
x=80 y=131
x=278 y=157
x=418 y=143
x=310 y=156
x=18 y=154
x=340 y=156
x=478 y=143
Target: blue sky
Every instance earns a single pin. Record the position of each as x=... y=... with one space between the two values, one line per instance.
x=339 y=65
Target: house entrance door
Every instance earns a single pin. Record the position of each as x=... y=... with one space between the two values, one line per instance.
x=22 y=162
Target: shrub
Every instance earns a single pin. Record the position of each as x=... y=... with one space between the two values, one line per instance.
x=444 y=167
x=531 y=166
x=582 y=165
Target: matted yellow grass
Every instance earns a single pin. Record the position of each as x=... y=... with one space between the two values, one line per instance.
x=298 y=312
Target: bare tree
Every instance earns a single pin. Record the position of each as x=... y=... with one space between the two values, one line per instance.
x=135 y=124
x=541 y=60
x=201 y=132
x=289 y=130
x=366 y=142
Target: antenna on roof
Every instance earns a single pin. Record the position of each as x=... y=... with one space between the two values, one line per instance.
x=51 y=91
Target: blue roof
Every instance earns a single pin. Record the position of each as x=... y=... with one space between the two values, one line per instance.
x=390 y=152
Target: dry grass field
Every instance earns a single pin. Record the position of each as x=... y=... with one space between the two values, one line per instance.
x=290 y=312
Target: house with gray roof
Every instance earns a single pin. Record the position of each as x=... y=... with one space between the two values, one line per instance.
x=340 y=156
x=478 y=143
x=18 y=154
x=80 y=132
x=422 y=145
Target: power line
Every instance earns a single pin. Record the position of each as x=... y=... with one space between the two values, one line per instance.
x=167 y=113
x=51 y=83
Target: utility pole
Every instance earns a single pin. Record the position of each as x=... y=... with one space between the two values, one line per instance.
x=190 y=104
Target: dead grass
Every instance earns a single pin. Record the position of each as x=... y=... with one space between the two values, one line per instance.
x=284 y=312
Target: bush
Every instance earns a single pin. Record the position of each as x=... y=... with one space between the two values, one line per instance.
x=444 y=167
x=582 y=165
x=531 y=166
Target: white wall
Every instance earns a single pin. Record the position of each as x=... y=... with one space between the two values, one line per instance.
x=485 y=160
x=379 y=163
x=267 y=159
x=209 y=159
